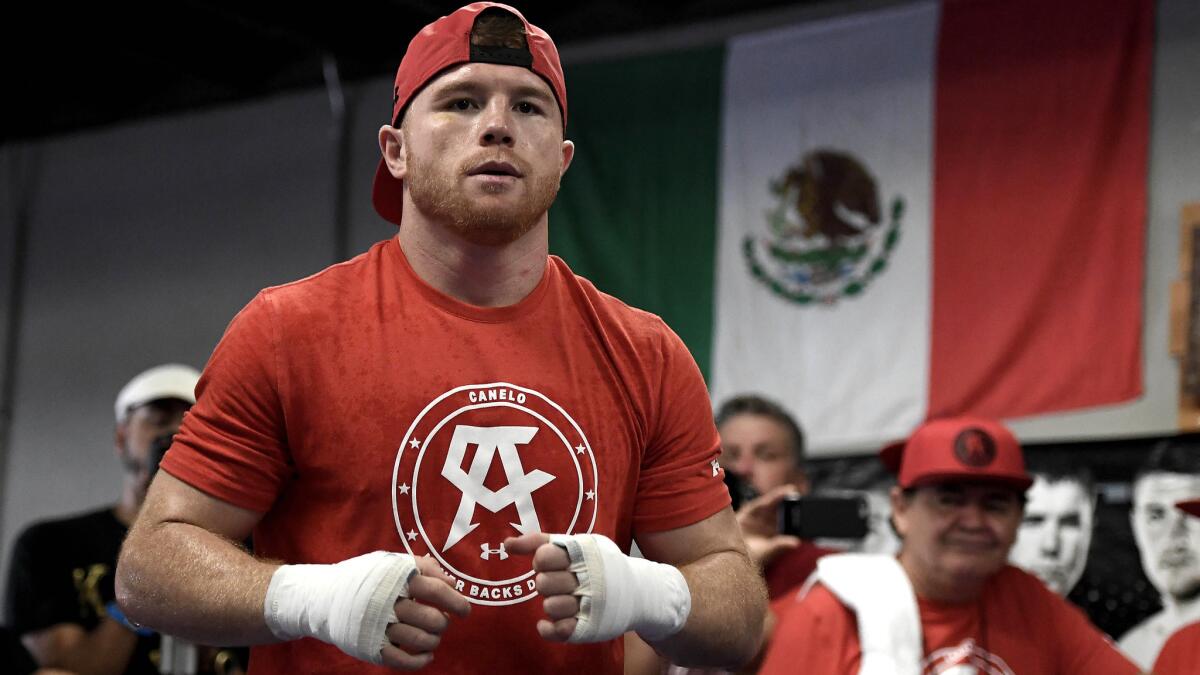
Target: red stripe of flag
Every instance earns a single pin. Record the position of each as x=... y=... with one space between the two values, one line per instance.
x=1041 y=129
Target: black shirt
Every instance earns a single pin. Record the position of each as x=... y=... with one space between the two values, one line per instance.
x=62 y=572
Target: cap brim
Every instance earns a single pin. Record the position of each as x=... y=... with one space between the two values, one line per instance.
x=387 y=194
x=1021 y=483
x=891 y=454
x=1190 y=506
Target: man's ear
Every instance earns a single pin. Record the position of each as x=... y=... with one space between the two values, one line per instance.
x=899 y=511
x=568 y=153
x=120 y=437
x=391 y=145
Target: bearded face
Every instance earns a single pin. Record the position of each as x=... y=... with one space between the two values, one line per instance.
x=1168 y=539
x=484 y=152
x=486 y=211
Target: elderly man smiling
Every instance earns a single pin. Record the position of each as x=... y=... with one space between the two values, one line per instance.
x=950 y=600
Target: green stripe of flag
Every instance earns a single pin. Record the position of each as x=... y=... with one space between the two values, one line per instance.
x=637 y=209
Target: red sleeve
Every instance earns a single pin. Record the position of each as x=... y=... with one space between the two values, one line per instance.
x=818 y=632
x=232 y=442
x=1181 y=654
x=680 y=482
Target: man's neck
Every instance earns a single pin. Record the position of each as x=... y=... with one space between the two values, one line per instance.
x=484 y=276
x=931 y=586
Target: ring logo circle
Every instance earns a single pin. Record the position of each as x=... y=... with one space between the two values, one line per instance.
x=484 y=462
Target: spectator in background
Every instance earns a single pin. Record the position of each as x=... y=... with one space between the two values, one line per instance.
x=763 y=454
x=1056 y=532
x=1168 y=542
x=60 y=587
x=1181 y=653
x=762 y=448
x=949 y=603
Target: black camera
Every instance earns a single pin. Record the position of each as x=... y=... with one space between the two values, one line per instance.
x=740 y=491
x=158 y=448
x=824 y=517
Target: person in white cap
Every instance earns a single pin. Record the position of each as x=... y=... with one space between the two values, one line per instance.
x=949 y=603
x=60 y=587
x=446 y=446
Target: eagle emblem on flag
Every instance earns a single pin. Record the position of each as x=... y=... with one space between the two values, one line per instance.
x=826 y=235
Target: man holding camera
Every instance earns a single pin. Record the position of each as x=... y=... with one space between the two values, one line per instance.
x=60 y=586
x=949 y=602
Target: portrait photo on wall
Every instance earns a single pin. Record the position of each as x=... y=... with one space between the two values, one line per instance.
x=1100 y=527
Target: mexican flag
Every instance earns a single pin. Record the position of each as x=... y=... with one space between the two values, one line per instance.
x=876 y=218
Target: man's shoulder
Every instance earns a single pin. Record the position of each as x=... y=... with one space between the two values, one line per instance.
x=1187 y=635
x=819 y=601
x=59 y=534
x=332 y=280
x=609 y=308
x=56 y=526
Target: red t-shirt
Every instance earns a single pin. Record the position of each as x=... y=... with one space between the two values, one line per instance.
x=1181 y=653
x=1018 y=626
x=792 y=568
x=360 y=409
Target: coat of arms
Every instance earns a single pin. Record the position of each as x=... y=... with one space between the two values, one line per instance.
x=828 y=237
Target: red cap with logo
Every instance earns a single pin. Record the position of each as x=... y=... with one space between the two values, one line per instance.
x=447 y=42
x=1189 y=506
x=958 y=449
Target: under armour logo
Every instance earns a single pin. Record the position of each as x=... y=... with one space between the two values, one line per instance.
x=716 y=467
x=489 y=552
x=518 y=492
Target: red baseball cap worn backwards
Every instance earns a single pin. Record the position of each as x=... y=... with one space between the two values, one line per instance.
x=958 y=449
x=1189 y=506
x=447 y=42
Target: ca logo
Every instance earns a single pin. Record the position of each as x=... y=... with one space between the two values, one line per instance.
x=485 y=462
x=518 y=491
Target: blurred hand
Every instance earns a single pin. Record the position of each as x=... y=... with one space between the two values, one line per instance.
x=759 y=520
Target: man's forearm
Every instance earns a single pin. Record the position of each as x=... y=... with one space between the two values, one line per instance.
x=104 y=650
x=728 y=608
x=183 y=580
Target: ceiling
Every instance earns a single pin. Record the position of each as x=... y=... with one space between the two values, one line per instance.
x=101 y=63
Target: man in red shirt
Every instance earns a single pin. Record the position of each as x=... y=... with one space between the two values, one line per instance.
x=403 y=429
x=1181 y=653
x=950 y=599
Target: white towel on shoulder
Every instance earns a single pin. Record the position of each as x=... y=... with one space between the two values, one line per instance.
x=879 y=592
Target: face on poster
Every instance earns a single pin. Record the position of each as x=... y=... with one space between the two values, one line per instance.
x=1168 y=540
x=1056 y=531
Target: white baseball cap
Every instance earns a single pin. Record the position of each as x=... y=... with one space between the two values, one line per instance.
x=172 y=380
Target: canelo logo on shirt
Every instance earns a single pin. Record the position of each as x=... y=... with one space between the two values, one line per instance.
x=965 y=658
x=484 y=462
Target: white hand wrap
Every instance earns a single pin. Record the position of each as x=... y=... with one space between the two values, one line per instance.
x=618 y=593
x=348 y=605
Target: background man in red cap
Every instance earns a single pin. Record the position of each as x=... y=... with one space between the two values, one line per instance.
x=950 y=599
x=401 y=430
x=1181 y=654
